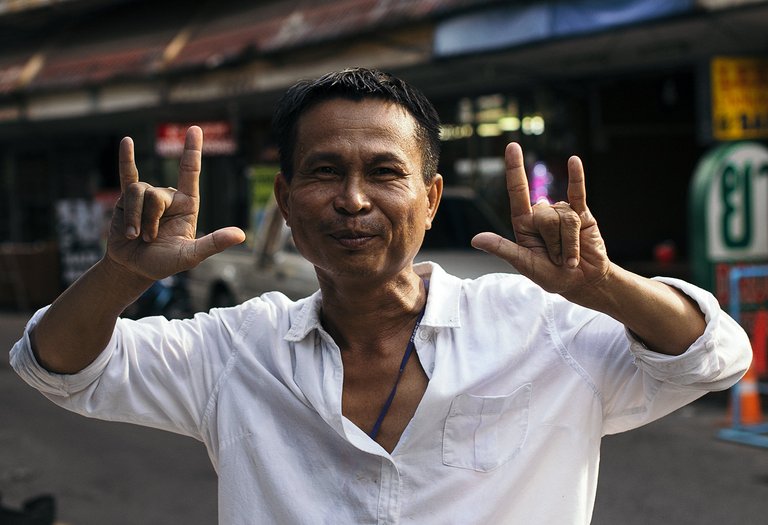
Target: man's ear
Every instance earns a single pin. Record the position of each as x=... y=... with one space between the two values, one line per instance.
x=282 y=192
x=434 y=194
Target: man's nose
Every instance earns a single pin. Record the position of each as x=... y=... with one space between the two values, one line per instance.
x=352 y=197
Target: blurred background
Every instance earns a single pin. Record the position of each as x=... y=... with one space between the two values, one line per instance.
x=627 y=85
x=663 y=100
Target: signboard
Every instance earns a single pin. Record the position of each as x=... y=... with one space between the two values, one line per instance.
x=729 y=217
x=80 y=224
x=737 y=211
x=739 y=98
x=261 y=179
x=218 y=138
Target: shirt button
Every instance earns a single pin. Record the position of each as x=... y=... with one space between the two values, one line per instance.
x=424 y=334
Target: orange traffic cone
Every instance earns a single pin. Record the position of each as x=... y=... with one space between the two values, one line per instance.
x=759 y=340
x=750 y=411
x=748 y=391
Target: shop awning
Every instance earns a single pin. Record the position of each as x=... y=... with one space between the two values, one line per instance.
x=513 y=24
x=272 y=28
x=209 y=40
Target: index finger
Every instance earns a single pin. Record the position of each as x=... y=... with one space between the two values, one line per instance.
x=191 y=160
x=577 y=190
x=127 y=164
x=517 y=181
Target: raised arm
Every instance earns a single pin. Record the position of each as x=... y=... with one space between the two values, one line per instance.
x=152 y=236
x=560 y=248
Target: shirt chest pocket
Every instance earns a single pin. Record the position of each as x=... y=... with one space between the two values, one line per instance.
x=484 y=432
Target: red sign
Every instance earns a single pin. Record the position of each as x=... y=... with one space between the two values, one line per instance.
x=752 y=291
x=753 y=302
x=218 y=138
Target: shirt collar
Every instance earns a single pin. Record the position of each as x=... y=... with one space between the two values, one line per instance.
x=442 y=308
x=444 y=296
x=305 y=317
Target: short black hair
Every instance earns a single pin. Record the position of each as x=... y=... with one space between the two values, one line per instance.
x=356 y=84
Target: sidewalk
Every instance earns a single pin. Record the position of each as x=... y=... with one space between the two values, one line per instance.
x=98 y=472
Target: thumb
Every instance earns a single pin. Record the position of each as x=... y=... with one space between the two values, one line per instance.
x=519 y=257
x=217 y=241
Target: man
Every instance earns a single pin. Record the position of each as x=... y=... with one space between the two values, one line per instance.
x=397 y=393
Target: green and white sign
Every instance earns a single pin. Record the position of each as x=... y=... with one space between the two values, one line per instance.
x=729 y=210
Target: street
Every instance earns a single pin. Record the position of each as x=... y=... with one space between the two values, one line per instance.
x=674 y=471
x=100 y=473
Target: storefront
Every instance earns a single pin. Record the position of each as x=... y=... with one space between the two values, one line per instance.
x=625 y=85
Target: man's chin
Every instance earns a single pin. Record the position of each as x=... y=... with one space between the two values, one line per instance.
x=348 y=271
x=353 y=270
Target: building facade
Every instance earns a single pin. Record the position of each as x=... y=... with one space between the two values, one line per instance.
x=627 y=85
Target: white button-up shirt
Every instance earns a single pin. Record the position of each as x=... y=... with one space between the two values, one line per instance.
x=522 y=386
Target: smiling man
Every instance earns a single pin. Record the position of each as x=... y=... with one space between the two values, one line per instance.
x=397 y=393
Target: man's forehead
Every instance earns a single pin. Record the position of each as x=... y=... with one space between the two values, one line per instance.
x=371 y=130
x=368 y=119
x=365 y=107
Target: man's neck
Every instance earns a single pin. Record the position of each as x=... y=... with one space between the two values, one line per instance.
x=363 y=316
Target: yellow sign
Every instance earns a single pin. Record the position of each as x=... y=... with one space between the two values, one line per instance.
x=739 y=98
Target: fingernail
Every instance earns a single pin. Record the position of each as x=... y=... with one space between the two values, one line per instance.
x=147 y=238
x=572 y=262
x=131 y=232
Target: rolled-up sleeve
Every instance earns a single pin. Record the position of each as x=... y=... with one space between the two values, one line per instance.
x=153 y=372
x=23 y=361
x=715 y=361
x=649 y=385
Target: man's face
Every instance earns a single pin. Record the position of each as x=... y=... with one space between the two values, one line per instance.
x=357 y=204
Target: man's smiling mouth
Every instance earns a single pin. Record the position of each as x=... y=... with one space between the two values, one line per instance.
x=350 y=239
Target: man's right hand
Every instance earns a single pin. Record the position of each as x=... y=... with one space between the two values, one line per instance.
x=152 y=234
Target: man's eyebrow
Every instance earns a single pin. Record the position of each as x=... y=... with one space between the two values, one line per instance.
x=333 y=157
x=386 y=156
x=322 y=156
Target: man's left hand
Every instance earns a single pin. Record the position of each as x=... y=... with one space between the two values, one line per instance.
x=559 y=246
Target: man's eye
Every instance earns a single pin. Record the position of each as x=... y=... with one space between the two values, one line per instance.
x=384 y=171
x=325 y=170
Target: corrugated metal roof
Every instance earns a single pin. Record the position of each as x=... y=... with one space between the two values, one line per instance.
x=221 y=38
x=94 y=65
x=271 y=28
x=10 y=72
x=16 y=6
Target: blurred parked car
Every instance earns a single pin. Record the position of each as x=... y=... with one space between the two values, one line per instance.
x=462 y=215
x=273 y=263
x=168 y=297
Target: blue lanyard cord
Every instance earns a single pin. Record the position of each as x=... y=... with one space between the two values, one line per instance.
x=406 y=357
